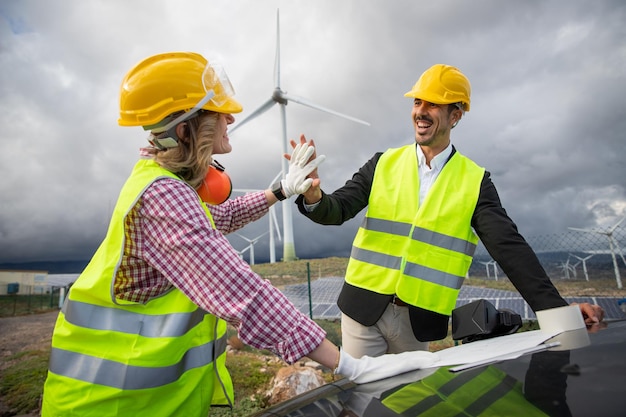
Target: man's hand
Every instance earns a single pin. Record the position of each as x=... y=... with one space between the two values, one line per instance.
x=592 y=313
x=368 y=369
x=302 y=162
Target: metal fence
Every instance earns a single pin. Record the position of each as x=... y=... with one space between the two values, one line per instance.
x=30 y=299
x=571 y=255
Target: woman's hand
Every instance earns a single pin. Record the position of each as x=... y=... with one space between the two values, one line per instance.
x=302 y=162
x=368 y=369
x=313 y=194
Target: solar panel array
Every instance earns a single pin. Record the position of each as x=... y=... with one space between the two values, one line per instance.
x=324 y=293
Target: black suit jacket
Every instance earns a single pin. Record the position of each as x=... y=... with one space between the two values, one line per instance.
x=495 y=229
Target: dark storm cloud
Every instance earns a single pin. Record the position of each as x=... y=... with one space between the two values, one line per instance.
x=547 y=116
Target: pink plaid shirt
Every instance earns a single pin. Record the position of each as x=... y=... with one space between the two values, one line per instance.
x=170 y=242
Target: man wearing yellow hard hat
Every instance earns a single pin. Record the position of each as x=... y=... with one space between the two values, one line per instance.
x=143 y=329
x=427 y=206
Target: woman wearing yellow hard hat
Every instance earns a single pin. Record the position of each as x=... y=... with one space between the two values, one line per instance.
x=143 y=329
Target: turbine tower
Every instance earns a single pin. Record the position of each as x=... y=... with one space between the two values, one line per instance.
x=487 y=267
x=613 y=246
x=281 y=98
x=584 y=261
x=495 y=269
x=272 y=218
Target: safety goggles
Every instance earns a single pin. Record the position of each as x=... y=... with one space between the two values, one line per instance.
x=218 y=90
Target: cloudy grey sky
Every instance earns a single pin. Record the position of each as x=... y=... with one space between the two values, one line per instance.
x=547 y=120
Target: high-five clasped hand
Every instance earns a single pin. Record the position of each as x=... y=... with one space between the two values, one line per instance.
x=296 y=181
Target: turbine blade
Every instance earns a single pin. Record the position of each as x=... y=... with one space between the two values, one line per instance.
x=277 y=58
x=245 y=190
x=584 y=230
x=618 y=249
x=265 y=107
x=307 y=103
x=256 y=239
x=617 y=224
x=279 y=175
x=244 y=238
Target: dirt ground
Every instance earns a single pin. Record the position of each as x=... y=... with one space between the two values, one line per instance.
x=30 y=332
x=22 y=333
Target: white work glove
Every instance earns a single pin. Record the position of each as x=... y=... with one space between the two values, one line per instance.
x=368 y=369
x=296 y=182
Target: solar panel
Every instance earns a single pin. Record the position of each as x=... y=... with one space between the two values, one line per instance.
x=324 y=293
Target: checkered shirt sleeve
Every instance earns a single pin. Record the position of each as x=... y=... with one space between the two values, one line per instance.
x=170 y=241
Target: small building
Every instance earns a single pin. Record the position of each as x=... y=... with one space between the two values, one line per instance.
x=23 y=282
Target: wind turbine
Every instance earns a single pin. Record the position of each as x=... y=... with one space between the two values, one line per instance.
x=584 y=261
x=613 y=246
x=281 y=98
x=573 y=268
x=565 y=268
x=495 y=269
x=486 y=268
x=240 y=253
x=273 y=221
x=250 y=247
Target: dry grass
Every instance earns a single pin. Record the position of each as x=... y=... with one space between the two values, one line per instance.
x=296 y=272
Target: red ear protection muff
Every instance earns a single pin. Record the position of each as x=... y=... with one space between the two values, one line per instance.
x=216 y=186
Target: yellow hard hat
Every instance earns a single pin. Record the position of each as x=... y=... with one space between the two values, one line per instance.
x=172 y=82
x=442 y=84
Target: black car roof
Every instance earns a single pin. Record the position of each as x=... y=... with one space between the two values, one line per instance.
x=582 y=381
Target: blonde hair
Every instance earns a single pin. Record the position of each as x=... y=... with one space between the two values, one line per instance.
x=190 y=160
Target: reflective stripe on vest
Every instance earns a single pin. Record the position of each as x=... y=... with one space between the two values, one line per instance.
x=120 y=375
x=102 y=318
x=419 y=252
x=418 y=234
x=483 y=392
x=165 y=356
x=127 y=377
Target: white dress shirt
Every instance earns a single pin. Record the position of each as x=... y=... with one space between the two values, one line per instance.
x=428 y=175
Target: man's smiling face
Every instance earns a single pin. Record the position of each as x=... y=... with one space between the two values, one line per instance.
x=432 y=122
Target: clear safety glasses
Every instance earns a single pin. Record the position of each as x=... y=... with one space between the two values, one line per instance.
x=218 y=90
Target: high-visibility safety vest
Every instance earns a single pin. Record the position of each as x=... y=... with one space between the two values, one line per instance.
x=420 y=252
x=484 y=392
x=113 y=357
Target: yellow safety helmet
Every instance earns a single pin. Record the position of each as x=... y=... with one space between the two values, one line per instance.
x=442 y=84
x=172 y=82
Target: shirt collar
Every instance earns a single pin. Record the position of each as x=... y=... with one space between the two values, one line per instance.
x=438 y=161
